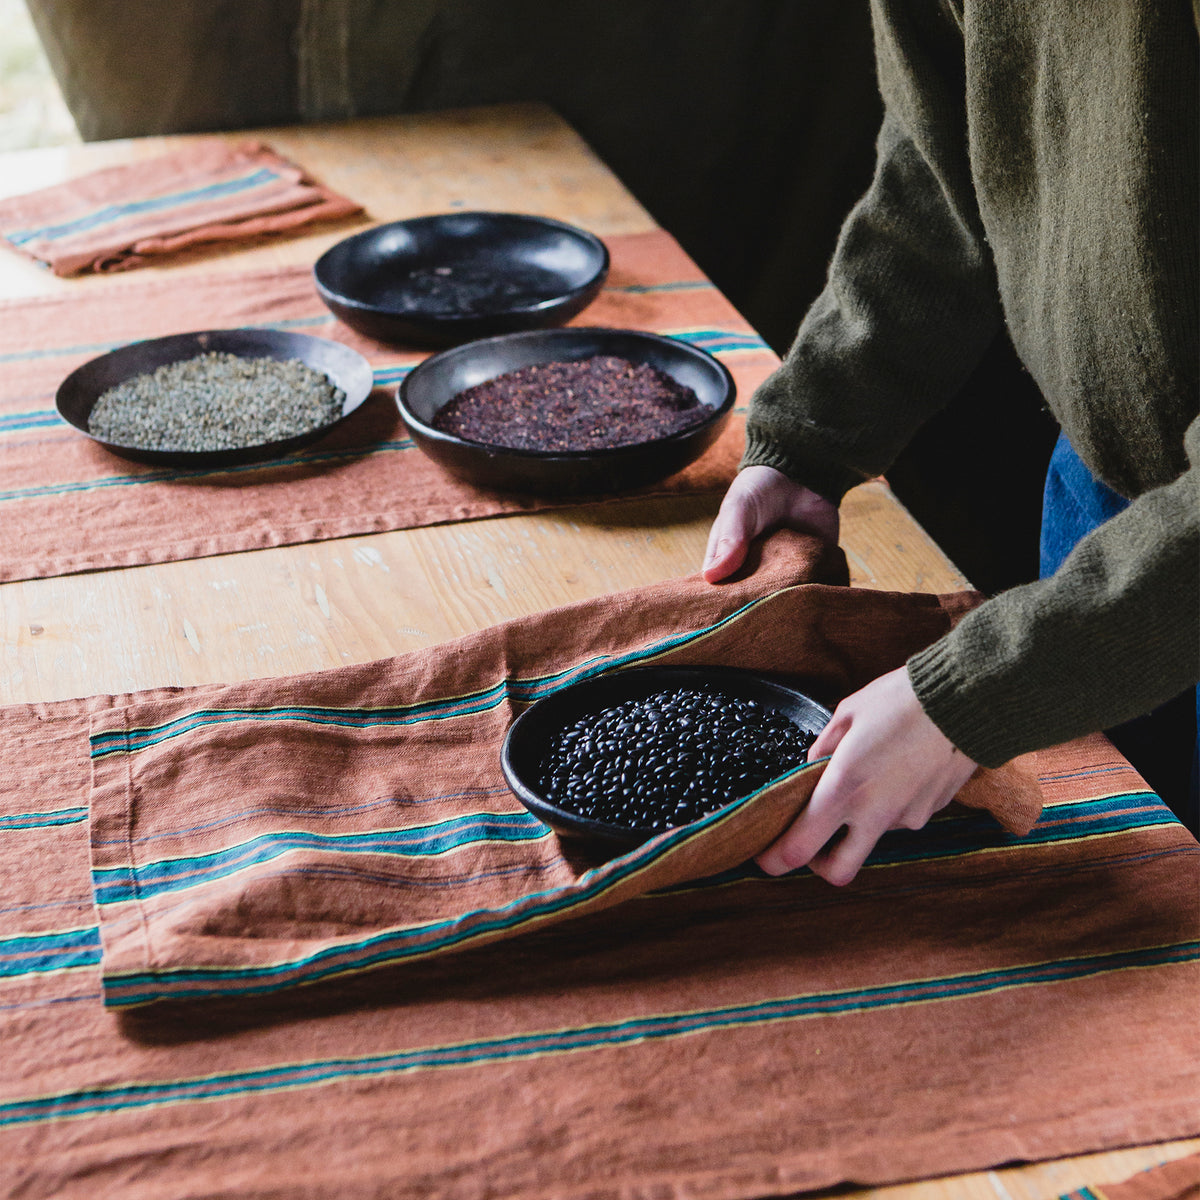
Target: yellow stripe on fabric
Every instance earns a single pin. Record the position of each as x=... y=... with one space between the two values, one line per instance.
x=612 y=1035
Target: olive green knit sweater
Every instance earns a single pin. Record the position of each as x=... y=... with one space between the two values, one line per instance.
x=1037 y=166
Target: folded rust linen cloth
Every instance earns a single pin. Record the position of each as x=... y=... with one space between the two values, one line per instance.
x=974 y=998
x=210 y=191
x=263 y=835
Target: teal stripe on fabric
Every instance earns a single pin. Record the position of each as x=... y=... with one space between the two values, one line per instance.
x=959 y=837
x=121 y=741
x=39 y=419
x=646 y=289
x=721 y=349
x=307 y=811
x=111 y=742
x=385 y=376
x=173 y=476
x=39 y=953
x=610 y=1035
x=393 y=945
x=89 y=349
x=111 y=213
x=43 y=820
x=387 y=948
x=118 y=884
x=92 y=348
x=717 y=340
x=954 y=836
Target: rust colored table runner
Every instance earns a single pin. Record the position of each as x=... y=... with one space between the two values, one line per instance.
x=67 y=505
x=311 y=876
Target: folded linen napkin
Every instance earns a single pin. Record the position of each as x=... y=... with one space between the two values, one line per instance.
x=114 y=219
x=281 y=832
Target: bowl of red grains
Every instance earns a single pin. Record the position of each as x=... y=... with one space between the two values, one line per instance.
x=453 y=277
x=567 y=411
x=626 y=755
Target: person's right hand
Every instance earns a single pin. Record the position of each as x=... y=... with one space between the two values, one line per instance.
x=762 y=498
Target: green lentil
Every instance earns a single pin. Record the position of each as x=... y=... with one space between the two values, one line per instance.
x=216 y=401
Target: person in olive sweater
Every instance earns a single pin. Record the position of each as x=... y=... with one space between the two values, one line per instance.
x=1037 y=167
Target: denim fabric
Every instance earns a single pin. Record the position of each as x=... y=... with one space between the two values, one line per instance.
x=1162 y=745
x=1074 y=503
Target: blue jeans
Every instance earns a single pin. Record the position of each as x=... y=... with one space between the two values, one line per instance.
x=1162 y=745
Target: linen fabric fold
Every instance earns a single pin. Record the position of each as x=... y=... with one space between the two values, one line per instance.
x=274 y=833
x=210 y=191
x=974 y=998
x=285 y=831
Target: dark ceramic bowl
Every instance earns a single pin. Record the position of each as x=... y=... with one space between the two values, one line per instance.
x=527 y=742
x=450 y=278
x=345 y=368
x=437 y=380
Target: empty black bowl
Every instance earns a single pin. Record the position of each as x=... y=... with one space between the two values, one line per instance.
x=437 y=380
x=450 y=278
x=527 y=743
x=346 y=369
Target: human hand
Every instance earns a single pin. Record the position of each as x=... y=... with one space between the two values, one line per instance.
x=761 y=498
x=891 y=768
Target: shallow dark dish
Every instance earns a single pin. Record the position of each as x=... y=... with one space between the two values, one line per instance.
x=437 y=380
x=453 y=277
x=345 y=368
x=527 y=741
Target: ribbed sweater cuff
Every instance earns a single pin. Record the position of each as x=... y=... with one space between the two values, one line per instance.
x=823 y=477
x=935 y=677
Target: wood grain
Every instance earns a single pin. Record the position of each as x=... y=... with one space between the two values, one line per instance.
x=1038 y=1181
x=304 y=608
x=275 y=612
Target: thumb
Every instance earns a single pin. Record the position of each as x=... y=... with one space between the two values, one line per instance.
x=736 y=525
x=828 y=739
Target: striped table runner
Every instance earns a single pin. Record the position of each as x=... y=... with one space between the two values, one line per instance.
x=119 y=217
x=66 y=505
x=315 y=872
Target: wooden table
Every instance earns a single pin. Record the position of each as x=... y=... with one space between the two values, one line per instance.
x=300 y=608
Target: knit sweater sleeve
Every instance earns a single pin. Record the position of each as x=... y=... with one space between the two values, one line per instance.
x=911 y=301
x=1115 y=632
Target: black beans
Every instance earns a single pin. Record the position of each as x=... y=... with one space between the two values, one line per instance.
x=669 y=758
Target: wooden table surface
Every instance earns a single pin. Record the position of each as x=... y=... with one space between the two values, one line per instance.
x=300 y=608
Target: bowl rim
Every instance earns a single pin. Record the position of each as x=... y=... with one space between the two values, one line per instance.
x=230 y=455
x=332 y=295
x=716 y=413
x=589 y=827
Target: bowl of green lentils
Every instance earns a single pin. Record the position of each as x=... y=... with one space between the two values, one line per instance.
x=215 y=398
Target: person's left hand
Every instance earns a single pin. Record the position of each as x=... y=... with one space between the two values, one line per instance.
x=891 y=768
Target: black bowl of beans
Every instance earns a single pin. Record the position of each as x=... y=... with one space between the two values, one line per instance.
x=215 y=398
x=452 y=277
x=567 y=411
x=628 y=754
